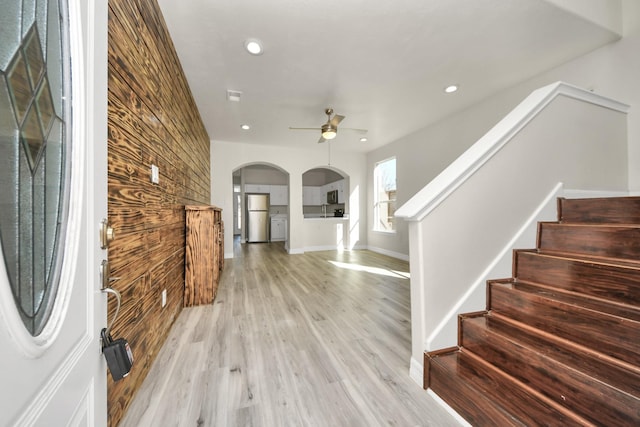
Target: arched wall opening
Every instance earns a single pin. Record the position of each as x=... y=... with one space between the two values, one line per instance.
x=266 y=179
x=325 y=192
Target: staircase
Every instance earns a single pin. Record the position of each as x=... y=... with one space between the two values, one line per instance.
x=559 y=343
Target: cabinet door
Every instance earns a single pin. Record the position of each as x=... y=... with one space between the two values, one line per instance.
x=257 y=188
x=277 y=229
x=202 y=254
x=279 y=195
x=308 y=198
x=319 y=197
x=341 y=191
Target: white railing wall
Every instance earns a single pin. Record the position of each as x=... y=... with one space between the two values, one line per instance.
x=464 y=223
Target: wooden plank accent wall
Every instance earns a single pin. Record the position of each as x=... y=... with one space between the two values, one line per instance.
x=153 y=119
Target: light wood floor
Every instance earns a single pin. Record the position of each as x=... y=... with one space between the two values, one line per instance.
x=320 y=339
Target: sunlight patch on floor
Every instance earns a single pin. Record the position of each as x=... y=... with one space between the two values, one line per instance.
x=374 y=270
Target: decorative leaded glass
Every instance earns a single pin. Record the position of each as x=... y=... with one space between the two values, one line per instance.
x=35 y=145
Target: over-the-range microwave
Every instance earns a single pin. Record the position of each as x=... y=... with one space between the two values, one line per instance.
x=332 y=197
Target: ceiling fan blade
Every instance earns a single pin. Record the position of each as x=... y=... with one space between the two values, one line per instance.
x=290 y=128
x=356 y=129
x=321 y=140
x=335 y=120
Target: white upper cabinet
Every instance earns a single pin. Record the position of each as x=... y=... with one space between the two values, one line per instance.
x=257 y=188
x=279 y=195
x=342 y=192
x=312 y=196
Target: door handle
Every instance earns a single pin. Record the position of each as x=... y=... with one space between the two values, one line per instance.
x=105 y=275
x=105 y=272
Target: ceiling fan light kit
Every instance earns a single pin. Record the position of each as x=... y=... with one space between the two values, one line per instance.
x=329 y=130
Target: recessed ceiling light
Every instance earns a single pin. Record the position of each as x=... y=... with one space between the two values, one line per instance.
x=245 y=127
x=451 y=88
x=363 y=139
x=253 y=46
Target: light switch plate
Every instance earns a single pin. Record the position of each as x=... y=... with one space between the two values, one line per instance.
x=155 y=174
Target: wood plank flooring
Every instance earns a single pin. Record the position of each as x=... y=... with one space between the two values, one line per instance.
x=320 y=339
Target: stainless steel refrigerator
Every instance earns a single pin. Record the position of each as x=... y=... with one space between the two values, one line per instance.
x=257 y=218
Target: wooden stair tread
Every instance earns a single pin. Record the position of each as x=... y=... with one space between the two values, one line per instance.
x=625 y=368
x=486 y=387
x=616 y=336
x=594 y=363
x=586 y=259
x=573 y=380
x=600 y=240
x=598 y=210
x=615 y=282
x=577 y=299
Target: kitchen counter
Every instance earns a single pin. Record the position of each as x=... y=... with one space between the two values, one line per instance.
x=320 y=216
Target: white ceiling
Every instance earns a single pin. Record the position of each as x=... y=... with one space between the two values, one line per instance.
x=381 y=63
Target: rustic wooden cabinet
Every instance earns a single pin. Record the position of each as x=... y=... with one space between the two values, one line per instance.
x=204 y=256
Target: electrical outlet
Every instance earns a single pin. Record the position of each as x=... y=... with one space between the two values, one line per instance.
x=155 y=174
x=164 y=297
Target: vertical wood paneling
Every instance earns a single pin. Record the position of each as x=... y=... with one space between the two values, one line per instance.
x=153 y=119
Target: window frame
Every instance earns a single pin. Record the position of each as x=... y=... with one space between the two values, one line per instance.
x=390 y=201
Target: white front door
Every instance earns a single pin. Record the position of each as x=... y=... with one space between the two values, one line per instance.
x=52 y=372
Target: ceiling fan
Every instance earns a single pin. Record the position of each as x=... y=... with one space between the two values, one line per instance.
x=329 y=130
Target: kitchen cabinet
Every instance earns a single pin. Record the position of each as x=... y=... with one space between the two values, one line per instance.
x=336 y=185
x=279 y=195
x=204 y=253
x=257 y=188
x=342 y=194
x=278 y=229
x=313 y=196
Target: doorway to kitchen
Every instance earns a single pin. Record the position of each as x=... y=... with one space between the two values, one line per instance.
x=261 y=203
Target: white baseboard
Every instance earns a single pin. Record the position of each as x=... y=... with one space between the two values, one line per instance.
x=386 y=252
x=416 y=372
x=448 y=408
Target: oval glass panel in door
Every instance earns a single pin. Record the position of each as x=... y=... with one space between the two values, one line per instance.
x=34 y=151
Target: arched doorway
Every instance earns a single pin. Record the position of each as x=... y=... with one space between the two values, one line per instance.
x=261 y=179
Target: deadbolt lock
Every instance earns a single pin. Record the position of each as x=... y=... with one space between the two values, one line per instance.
x=106 y=234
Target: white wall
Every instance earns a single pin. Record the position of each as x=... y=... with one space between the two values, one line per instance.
x=227 y=157
x=468 y=236
x=265 y=176
x=612 y=70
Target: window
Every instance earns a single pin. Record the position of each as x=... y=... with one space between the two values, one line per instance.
x=239 y=210
x=35 y=148
x=384 y=195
